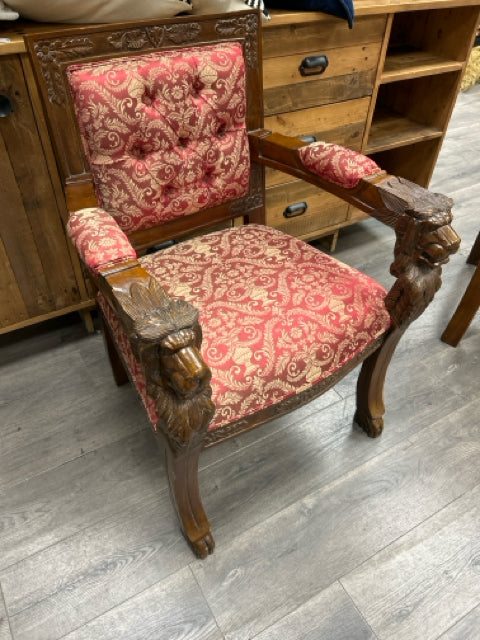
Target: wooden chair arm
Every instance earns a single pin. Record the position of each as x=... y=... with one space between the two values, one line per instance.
x=166 y=337
x=421 y=220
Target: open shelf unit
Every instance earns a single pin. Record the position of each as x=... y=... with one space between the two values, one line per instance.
x=425 y=53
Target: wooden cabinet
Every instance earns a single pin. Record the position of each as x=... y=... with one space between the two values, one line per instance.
x=388 y=90
x=40 y=276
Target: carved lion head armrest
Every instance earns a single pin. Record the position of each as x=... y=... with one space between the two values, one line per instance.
x=165 y=337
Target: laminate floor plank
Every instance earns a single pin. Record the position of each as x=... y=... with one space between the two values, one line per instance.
x=426 y=581
x=4 y=624
x=173 y=609
x=466 y=629
x=48 y=508
x=275 y=472
x=272 y=474
x=255 y=579
x=330 y=615
x=95 y=570
x=64 y=430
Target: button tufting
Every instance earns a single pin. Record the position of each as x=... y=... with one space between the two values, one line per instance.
x=139 y=152
x=197 y=86
x=148 y=96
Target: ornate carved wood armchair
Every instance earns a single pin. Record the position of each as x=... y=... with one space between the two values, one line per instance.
x=225 y=330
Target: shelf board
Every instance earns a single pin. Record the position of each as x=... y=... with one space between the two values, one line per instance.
x=404 y=64
x=390 y=129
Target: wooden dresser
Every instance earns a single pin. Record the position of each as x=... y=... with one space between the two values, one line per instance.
x=387 y=88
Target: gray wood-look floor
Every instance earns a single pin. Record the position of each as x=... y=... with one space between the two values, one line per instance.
x=322 y=533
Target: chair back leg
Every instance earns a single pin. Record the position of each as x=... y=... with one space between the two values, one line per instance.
x=118 y=368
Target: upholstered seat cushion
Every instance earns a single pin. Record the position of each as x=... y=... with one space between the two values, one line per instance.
x=277 y=315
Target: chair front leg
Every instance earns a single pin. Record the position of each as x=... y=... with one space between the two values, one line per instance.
x=424 y=242
x=179 y=380
x=370 y=385
x=182 y=467
x=166 y=337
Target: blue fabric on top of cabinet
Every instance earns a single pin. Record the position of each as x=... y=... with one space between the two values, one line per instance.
x=341 y=8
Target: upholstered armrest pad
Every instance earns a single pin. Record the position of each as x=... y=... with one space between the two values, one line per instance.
x=337 y=164
x=98 y=239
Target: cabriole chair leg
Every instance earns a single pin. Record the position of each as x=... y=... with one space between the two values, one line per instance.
x=185 y=493
x=370 y=384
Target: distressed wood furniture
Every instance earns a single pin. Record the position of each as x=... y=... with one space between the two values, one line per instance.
x=40 y=275
x=387 y=88
x=468 y=305
x=281 y=322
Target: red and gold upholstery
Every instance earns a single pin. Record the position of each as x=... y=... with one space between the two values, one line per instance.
x=164 y=133
x=98 y=238
x=337 y=164
x=277 y=315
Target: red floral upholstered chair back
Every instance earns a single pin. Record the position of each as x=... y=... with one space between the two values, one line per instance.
x=163 y=112
x=176 y=140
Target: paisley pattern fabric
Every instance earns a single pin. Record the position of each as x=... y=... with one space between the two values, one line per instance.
x=337 y=164
x=164 y=133
x=98 y=238
x=277 y=315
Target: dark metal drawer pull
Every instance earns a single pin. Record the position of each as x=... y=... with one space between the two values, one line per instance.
x=295 y=209
x=6 y=106
x=308 y=139
x=313 y=65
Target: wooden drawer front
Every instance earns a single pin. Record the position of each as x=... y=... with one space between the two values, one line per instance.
x=312 y=37
x=342 y=123
x=323 y=209
x=350 y=74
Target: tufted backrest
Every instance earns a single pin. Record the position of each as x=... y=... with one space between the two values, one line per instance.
x=164 y=133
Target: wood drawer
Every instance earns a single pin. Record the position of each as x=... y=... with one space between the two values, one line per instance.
x=312 y=37
x=350 y=74
x=342 y=123
x=323 y=209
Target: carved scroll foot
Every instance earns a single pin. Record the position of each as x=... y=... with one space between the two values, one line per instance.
x=203 y=547
x=373 y=427
x=184 y=490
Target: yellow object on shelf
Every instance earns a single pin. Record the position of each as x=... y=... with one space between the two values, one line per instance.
x=472 y=72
